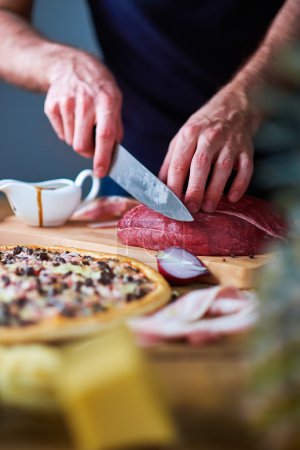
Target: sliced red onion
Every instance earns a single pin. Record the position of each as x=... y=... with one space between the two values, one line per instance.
x=180 y=266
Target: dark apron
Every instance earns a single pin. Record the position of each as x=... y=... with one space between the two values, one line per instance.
x=170 y=57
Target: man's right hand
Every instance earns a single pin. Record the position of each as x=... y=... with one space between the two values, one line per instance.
x=83 y=93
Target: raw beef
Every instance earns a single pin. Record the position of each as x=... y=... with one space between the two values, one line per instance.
x=241 y=228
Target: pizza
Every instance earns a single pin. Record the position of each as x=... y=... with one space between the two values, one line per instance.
x=58 y=293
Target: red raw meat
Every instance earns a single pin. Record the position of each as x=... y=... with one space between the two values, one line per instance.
x=240 y=229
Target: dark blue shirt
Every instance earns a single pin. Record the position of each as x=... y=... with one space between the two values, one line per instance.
x=170 y=56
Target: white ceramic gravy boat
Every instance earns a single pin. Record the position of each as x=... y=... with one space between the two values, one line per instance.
x=48 y=203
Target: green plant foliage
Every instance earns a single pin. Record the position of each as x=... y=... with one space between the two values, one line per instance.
x=275 y=387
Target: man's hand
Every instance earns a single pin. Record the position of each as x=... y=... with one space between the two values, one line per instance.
x=83 y=93
x=216 y=139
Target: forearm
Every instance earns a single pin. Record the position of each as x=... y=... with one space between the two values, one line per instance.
x=81 y=91
x=284 y=31
x=28 y=59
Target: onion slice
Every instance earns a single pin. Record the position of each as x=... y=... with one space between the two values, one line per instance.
x=179 y=266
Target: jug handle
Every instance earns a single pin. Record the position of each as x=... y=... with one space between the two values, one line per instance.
x=95 y=185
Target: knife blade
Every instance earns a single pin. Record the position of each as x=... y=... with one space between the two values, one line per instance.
x=139 y=182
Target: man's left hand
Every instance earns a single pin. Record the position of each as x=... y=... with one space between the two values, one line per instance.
x=217 y=138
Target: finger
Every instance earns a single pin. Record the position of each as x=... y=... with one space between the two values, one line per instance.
x=117 y=99
x=208 y=144
x=67 y=110
x=54 y=116
x=163 y=173
x=243 y=177
x=184 y=148
x=106 y=133
x=221 y=172
x=83 y=142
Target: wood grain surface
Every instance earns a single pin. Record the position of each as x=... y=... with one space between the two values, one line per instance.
x=205 y=386
x=236 y=271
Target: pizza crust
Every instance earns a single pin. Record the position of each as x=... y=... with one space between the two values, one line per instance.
x=63 y=328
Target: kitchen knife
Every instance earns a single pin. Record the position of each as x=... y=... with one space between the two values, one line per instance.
x=138 y=181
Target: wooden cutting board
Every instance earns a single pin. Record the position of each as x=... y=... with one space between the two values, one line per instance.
x=238 y=271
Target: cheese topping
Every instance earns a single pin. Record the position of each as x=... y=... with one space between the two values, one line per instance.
x=38 y=284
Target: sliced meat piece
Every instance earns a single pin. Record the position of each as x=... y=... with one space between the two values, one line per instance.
x=257 y=212
x=212 y=329
x=189 y=317
x=105 y=208
x=243 y=228
x=222 y=307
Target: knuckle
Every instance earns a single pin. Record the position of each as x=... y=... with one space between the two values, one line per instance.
x=193 y=192
x=178 y=166
x=241 y=181
x=194 y=187
x=247 y=164
x=212 y=134
x=201 y=160
x=80 y=149
x=67 y=101
x=189 y=130
x=241 y=185
x=175 y=187
x=101 y=161
x=225 y=163
x=106 y=133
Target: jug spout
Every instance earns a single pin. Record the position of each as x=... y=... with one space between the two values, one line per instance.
x=16 y=192
x=4 y=184
x=10 y=186
x=23 y=199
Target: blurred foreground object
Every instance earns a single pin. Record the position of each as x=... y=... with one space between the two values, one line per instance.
x=275 y=394
x=109 y=397
x=27 y=376
x=102 y=386
x=275 y=399
x=278 y=139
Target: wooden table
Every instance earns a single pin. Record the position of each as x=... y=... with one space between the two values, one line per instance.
x=204 y=385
